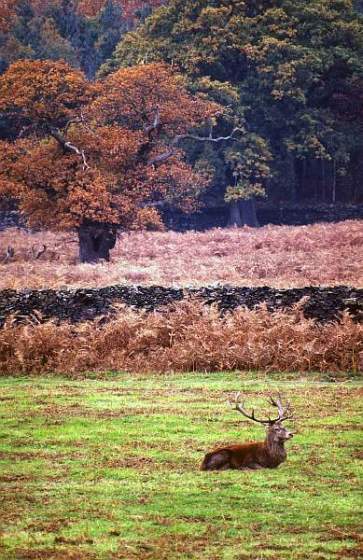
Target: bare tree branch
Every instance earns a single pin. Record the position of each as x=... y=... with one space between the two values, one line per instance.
x=76 y=120
x=175 y=141
x=155 y=125
x=68 y=146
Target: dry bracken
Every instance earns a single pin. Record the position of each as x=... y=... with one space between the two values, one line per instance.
x=278 y=256
x=187 y=336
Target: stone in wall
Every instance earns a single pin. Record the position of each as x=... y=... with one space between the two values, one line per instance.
x=322 y=304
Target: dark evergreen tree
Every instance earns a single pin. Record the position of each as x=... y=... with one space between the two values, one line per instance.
x=110 y=26
x=61 y=30
x=289 y=72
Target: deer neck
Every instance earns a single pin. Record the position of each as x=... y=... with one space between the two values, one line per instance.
x=275 y=449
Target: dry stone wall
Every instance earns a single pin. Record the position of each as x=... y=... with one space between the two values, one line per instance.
x=322 y=304
x=291 y=215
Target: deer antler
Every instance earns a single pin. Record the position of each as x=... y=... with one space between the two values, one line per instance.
x=240 y=407
x=284 y=413
x=9 y=254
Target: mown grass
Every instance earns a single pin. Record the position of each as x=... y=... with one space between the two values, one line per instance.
x=109 y=469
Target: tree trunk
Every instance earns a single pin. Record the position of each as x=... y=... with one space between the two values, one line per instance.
x=334 y=186
x=248 y=211
x=234 y=214
x=95 y=242
x=243 y=213
x=323 y=180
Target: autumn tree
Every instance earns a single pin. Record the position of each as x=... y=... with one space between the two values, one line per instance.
x=101 y=156
x=89 y=8
x=131 y=8
x=6 y=13
x=43 y=30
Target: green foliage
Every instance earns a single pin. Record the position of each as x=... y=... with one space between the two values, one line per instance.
x=59 y=31
x=35 y=36
x=292 y=70
x=250 y=168
x=111 y=27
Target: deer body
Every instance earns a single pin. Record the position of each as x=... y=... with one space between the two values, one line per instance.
x=255 y=455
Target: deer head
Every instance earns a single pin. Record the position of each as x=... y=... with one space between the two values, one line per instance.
x=37 y=252
x=276 y=432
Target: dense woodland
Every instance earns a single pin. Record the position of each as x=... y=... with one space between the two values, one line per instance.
x=84 y=33
x=113 y=110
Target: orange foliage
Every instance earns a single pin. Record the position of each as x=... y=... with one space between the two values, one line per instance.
x=90 y=8
x=89 y=159
x=189 y=336
x=43 y=92
x=130 y=7
x=137 y=92
x=6 y=13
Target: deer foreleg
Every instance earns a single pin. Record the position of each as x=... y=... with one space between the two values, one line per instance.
x=251 y=467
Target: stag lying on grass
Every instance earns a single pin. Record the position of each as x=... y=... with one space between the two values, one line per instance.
x=256 y=455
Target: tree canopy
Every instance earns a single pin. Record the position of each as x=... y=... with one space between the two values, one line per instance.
x=93 y=155
x=289 y=71
x=84 y=33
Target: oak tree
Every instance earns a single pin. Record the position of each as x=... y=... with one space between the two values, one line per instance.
x=95 y=157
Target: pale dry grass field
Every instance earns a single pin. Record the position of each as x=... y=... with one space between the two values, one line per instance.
x=277 y=256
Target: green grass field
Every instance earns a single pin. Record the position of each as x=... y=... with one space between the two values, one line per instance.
x=109 y=469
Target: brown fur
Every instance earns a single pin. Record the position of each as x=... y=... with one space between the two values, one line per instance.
x=255 y=455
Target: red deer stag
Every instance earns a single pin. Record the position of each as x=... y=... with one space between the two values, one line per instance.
x=255 y=455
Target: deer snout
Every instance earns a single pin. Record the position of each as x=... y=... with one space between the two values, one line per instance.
x=289 y=435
